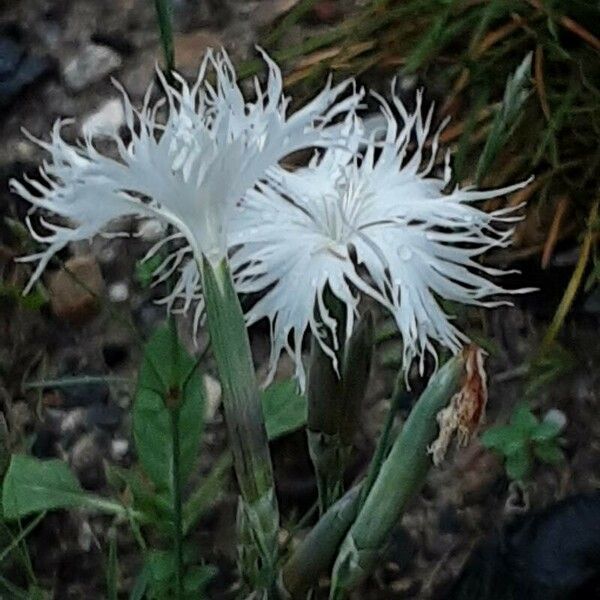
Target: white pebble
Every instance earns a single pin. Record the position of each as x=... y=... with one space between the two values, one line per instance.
x=106 y=120
x=119 y=449
x=118 y=292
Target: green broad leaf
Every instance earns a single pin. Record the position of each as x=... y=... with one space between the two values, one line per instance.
x=284 y=408
x=549 y=452
x=10 y=294
x=524 y=420
x=519 y=464
x=545 y=431
x=504 y=439
x=32 y=485
x=167 y=377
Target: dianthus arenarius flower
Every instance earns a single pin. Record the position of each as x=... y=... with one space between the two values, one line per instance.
x=376 y=222
x=187 y=168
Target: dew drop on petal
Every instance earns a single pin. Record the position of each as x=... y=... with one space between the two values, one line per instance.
x=405 y=253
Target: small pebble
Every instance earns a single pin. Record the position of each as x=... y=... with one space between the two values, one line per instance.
x=118 y=292
x=86 y=462
x=92 y=63
x=213 y=397
x=554 y=415
x=114 y=354
x=105 y=416
x=151 y=230
x=69 y=299
x=119 y=449
x=106 y=121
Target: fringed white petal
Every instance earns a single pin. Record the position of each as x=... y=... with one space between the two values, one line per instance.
x=377 y=223
x=191 y=157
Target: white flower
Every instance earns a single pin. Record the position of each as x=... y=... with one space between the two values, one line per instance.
x=378 y=223
x=188 y=168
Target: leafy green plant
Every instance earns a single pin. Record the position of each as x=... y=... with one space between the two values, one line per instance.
x=146 y=495
x=524 y=440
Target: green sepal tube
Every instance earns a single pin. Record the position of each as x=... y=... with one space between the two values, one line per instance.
x=258 y=513
x=400 y=478
x=334 y=405
x=316 y=552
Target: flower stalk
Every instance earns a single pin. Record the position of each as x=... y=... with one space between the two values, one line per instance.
x=177 y=504
x=316 y=552
x=258 y=517
x=400 y=477
x=334 y=404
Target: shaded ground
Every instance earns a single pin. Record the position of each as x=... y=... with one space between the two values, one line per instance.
x=464 y=500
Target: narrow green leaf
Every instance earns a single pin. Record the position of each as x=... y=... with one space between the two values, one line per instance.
x=515 y=94
x=112 y=568
x=141 y=584
x=284 y=408
x=197 y=578
x=165 y=378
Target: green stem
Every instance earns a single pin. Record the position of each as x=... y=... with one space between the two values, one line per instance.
x=177 y=508
x=384 y=438
x=399 y=479
x=258 y=516
x=334 y=402
x=164 y=15
x=22 y=535
x=316 y=552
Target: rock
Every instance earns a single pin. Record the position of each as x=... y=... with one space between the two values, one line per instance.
x=73 y=422
x=105 y=416
x=326 y=11
x=21 y=417
x=268 y=11
x=86 y=461
x=147 y=316
x=85 y=536
x=213 y=397
x=190 y=49
x=69 y=296
x=85 y=394
x=151 y=230
x=92 y=64
x=119 y=449
x=45 y=444
x=18 y=69
x=114 y=354
x=106 y=121
x=557 y=417
x=118 y=292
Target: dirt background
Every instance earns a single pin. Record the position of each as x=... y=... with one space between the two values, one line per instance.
x=60 y=58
